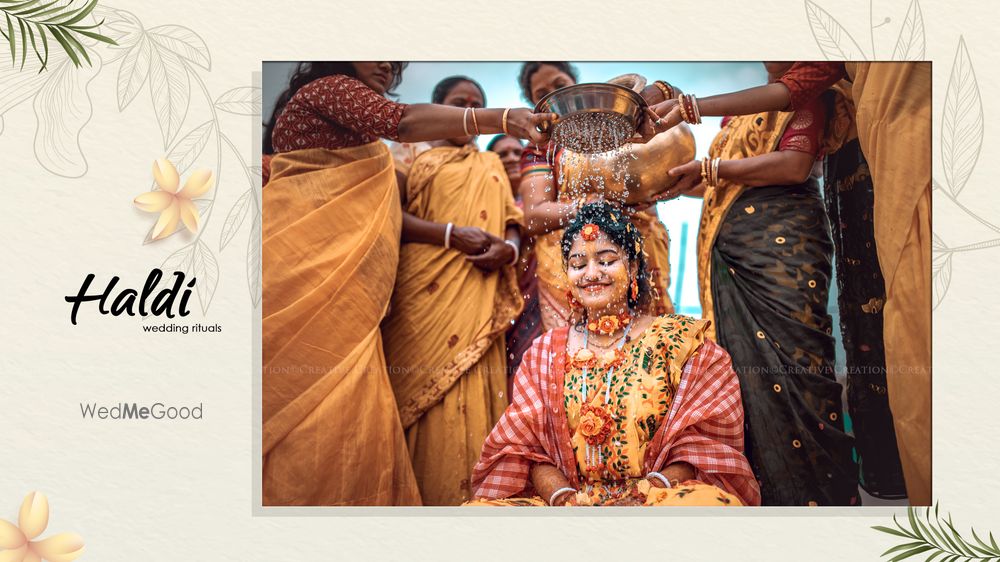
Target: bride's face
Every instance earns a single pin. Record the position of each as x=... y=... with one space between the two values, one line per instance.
x=598 y=273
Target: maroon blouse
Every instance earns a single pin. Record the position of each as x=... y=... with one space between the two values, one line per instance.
x=807 y=80
x=336 y=112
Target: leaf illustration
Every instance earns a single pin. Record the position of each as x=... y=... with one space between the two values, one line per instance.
x=170 y=87
x=20 y=86
x=178 y=261
x=120 y=26
x=962 y=123
x=63 y=108
x=835 y=42
x=254 y=261
x=183 y=42
x=929 y=533
x=29 y=24
x=940 y=269
x=206 y=269
x=187 y=150
x=910 y=46
x=241 y=101
x=235 y=218
x=133 y=71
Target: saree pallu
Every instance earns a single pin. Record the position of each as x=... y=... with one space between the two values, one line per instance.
x=771 y=269
x=444 y=337
x=331 y=433
x=553 y=282
x=861 y=297
x=894 y=128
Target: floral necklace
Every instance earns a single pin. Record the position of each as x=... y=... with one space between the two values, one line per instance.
x=609 y=324
x=595 y=421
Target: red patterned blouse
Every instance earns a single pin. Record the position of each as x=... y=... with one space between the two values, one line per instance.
x=805 y=132
x=807 y=80
x=336 y=112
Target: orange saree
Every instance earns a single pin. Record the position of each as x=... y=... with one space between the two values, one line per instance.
x=331 y=433
x=444 y=339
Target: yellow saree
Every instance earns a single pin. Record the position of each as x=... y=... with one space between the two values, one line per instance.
x=331 y=433
x=893 y=102
x=444 y=337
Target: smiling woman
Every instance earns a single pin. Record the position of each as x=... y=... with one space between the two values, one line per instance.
x=589 y=421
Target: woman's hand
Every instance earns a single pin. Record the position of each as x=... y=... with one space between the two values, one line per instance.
x=658 y=118
x=497 y=255
x=471 y=240
x=690 y=179
x=522 y=123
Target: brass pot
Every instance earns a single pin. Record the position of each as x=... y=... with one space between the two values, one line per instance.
x=647 y=171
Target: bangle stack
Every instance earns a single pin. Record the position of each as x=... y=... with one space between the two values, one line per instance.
x=559 y=492
x=503 y=121
x=667 y=89
x=690 y=112
x=710 y=171
x=447 y=235
x=465 y=121
x=517 y=251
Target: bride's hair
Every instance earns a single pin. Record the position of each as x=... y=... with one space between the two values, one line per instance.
x=616 y=225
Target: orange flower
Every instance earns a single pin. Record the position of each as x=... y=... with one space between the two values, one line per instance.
x=608 y=324
x=590 y=231
x=594 y=425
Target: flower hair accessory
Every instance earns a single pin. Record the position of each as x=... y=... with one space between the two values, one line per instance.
x=590 y=231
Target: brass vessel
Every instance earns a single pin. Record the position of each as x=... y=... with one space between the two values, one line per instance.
x=647 y=167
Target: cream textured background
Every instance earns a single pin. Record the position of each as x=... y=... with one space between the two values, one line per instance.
x=182 y=490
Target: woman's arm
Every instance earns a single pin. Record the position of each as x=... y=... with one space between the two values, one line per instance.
x=547 y=479
x=428 y=121
x=542 y=213
x=350 y=103
x=785 y=167
x=469 y=240
x=802 y=83
x=675 y=473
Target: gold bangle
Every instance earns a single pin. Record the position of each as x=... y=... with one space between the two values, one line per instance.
x=680 y=104
x=474 y=122
x=503 y=121
x=668 y=91
x=704 y=170
x=694 y=106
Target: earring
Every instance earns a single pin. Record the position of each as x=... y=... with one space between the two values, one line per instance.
x=635 y=289
x=573 y=303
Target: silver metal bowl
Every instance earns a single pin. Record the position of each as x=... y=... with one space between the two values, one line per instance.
x=621 y=104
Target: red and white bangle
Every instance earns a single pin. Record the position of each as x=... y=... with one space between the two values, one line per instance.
x=661 y=478
x=559 y=492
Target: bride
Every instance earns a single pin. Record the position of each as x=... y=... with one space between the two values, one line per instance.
x=622 y=408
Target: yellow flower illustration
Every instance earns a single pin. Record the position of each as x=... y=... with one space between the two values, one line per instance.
x=173 y=203
x=16 y=544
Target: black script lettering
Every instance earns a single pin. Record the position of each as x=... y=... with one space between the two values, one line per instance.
x=125 y=302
